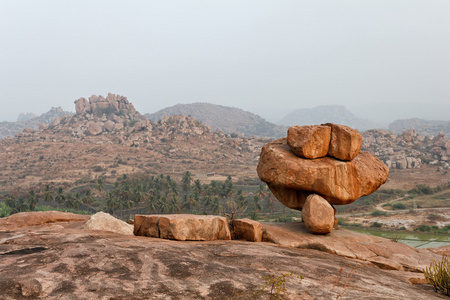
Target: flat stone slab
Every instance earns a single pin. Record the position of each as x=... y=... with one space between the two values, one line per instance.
x=182 y=227
x=384 y=253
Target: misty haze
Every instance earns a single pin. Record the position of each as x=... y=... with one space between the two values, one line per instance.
x=224 y=149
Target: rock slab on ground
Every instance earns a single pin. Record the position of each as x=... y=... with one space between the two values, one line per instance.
x=182 y=227
x=106 y=222
x=247 y=230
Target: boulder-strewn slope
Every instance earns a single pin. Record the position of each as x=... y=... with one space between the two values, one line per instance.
x=31 y=122
x=227 y=119
x=108 y=137
x=62 y=261
x=423 y=127
x=327 y=114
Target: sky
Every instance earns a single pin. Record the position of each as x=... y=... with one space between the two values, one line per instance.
x=268 y=57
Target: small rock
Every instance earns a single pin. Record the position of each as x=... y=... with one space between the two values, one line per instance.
x=318 y=215
x=247 y=230
x=30 y=288
x=106 y=222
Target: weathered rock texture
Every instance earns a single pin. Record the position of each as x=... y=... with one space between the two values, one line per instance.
x=309 y=141
x=106 y=222
x=345 y=142
x=247 y=230
x=26 y=219
x=182 y=227
x=340 y=182
x=296 y=166
x=62 y=261
x=318 y=215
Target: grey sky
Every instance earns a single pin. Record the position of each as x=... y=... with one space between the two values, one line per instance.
x=268 y=57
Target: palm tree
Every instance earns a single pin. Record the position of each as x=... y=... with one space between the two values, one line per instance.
x=88 y=199
x=48 y=194
x=100 y=186
x=32 y=199
x=77 y=200
x=111 y=202
x=60 y=197
x=186 y=182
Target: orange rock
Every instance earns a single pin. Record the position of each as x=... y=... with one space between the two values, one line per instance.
x=318 y=215
x=247 y=230
x=340 y=182
x=345 y=142
x=183 y=227
x=309 y=141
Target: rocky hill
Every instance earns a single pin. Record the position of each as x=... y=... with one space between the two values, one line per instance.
x=108 y=137
x=30 y=121
x=423 y=127
x=327 y=114
x=408 y=150
x=226 y=119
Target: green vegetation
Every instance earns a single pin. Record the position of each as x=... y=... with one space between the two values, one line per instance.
x=438 y=274
x=144 y=194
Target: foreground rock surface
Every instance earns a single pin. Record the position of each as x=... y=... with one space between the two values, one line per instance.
x=106 y=222
x=182 y=227
x=340 y=182
x=63 y=261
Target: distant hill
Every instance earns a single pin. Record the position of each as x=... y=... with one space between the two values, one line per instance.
x=226 y=119
x=423 y=127
x=327 y=114
x=30 y=120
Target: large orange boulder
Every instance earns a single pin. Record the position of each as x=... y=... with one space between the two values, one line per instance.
x=309 y=141
x=340 y=182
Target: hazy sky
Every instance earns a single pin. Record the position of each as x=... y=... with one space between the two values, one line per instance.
x=268 y=57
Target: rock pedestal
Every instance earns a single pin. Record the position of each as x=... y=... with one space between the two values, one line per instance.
x=324 y=160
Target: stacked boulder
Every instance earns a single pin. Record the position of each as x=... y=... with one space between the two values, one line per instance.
x=318 y=166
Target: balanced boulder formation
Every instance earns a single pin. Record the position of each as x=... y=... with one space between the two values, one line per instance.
x=324 y=160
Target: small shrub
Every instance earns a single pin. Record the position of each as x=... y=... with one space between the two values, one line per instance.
x=376 y=225
x=378 y=213
x=399 y=206
x=423 y=228
x=438 y=274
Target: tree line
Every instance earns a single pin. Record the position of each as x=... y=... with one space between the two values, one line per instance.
x=149 y=194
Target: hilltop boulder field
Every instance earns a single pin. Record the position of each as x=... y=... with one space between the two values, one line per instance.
x=317 y=167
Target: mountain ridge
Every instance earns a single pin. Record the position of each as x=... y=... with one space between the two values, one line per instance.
x=337 y=114
x=228 y=119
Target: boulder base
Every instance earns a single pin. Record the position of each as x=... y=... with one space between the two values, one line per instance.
x=318 y=215
x=183 y=227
